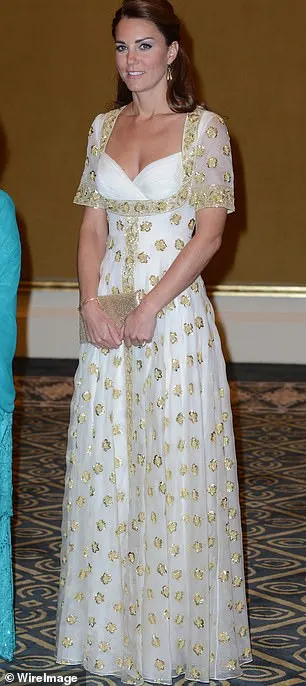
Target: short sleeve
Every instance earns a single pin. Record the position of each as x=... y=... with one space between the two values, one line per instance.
x=213 y=180
x=87 y=193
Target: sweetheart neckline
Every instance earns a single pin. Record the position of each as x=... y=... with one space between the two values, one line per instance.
x=160 y=159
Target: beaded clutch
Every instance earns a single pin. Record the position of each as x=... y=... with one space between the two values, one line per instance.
x=117 y=307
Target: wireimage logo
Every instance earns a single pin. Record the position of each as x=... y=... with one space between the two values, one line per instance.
x=29 y=678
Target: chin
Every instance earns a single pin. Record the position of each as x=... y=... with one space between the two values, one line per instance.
x=139 y=86
x=134 y=83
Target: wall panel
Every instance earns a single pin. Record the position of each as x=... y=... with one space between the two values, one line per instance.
x=58 y=72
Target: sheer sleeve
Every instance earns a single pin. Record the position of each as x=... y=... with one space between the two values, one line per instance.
x=213 y=181
x=87 y=193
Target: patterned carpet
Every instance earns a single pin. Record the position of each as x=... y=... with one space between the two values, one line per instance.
x=270 y=420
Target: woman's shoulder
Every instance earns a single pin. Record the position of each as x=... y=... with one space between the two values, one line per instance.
x=108 y=114
x=6 y=203
x=99 y=118
x=96 y=123
x=209 y=117
x=210 y=122
x=9 y=234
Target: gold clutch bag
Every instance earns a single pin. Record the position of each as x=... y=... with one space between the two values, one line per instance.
x=117 y=307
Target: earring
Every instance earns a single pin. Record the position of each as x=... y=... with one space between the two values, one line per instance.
x=169 y=73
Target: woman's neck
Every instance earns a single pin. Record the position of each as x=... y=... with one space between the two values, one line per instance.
x=150 y=104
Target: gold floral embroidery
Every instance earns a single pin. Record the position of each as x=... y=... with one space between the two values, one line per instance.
x=67 y=642
x=130 y=257
x=200 y=150
x=160 y=245
x=146 y=226
x=159 y=664
x=243 y=631
x=88 y=195
x=198 y=648
x=152 y=618
x=111 y=628
x=143 y=258
x=213 y=196
x=212 y=132
x=155 y=641
x=231 y=665
x=175 y=219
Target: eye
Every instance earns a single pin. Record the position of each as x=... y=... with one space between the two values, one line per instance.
x=145 y=46
x=120 y=48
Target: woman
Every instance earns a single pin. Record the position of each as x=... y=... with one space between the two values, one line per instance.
x=9 y=279
x=152 y=569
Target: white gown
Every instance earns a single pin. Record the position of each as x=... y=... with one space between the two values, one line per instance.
x=152 y=579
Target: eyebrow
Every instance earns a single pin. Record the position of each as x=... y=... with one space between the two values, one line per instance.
x=140 y=40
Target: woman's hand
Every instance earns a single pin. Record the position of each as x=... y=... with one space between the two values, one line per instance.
x=101 y=329
x=139 y=326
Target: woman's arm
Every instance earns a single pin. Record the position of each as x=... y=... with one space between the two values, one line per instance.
x=10 y=253
x=91 y=250
x=187 y=266
x=101 y=330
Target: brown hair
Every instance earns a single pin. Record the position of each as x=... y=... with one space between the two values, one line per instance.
x=180 y=92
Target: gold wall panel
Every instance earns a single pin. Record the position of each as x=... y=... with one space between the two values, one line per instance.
x=58 y=72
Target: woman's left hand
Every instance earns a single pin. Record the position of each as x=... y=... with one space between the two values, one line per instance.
x=139 y=326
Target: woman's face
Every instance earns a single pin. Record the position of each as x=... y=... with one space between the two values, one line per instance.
x=142 y=54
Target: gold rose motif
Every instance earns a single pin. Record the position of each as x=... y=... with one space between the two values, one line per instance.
x=212 y=162
x=160 y=245
x=212 y=132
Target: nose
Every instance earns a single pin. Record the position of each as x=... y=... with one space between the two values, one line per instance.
x=131 y=57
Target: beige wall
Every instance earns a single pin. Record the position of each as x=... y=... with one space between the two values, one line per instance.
x=57 y=72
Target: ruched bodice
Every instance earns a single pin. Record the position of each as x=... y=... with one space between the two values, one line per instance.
x=157 y=180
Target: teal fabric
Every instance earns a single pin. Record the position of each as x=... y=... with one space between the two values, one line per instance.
x=9 y=278
x=7 y=630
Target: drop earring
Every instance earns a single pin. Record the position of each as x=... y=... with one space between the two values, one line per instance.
x=169 y=73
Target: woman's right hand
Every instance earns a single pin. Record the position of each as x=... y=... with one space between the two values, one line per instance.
x=101 y=329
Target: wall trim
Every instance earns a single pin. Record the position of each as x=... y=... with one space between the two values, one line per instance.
x=242 y=290
x=256 y=324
